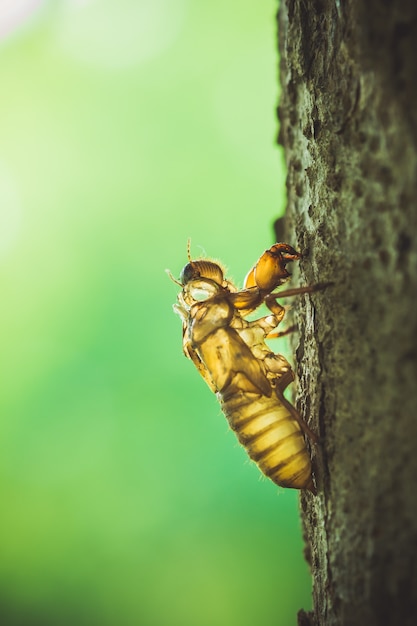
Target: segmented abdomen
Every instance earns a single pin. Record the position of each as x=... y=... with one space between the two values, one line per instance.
x=271 y=436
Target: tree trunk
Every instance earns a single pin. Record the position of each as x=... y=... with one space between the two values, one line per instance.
x=348 y=115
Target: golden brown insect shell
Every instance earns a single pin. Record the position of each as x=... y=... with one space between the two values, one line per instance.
x=231 y=355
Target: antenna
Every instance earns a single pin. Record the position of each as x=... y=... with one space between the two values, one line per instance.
x=174 y=280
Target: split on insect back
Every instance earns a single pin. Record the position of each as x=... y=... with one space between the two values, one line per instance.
x=231 y=355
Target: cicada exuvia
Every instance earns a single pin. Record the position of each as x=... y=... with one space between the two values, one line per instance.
x=231 y=355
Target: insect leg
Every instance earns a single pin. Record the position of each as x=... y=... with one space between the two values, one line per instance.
x=282 y=333
x=272 y=304
x=271 y=301
x=283 y=382
x=277 y=309
x=295 y=291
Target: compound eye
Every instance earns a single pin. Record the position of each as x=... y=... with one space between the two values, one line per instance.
x=189 y=273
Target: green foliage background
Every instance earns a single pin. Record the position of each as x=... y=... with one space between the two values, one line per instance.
x=125 y=128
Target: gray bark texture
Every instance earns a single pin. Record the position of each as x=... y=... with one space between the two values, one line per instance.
x=348 y=124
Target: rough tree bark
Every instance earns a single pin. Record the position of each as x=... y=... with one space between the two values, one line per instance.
x=348 y=115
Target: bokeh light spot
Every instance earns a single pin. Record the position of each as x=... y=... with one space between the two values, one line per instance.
x=120 y=34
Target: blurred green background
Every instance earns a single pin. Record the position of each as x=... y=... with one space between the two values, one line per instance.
x=125 y=128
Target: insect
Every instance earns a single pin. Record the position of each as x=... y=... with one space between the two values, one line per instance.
x=231 y=355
